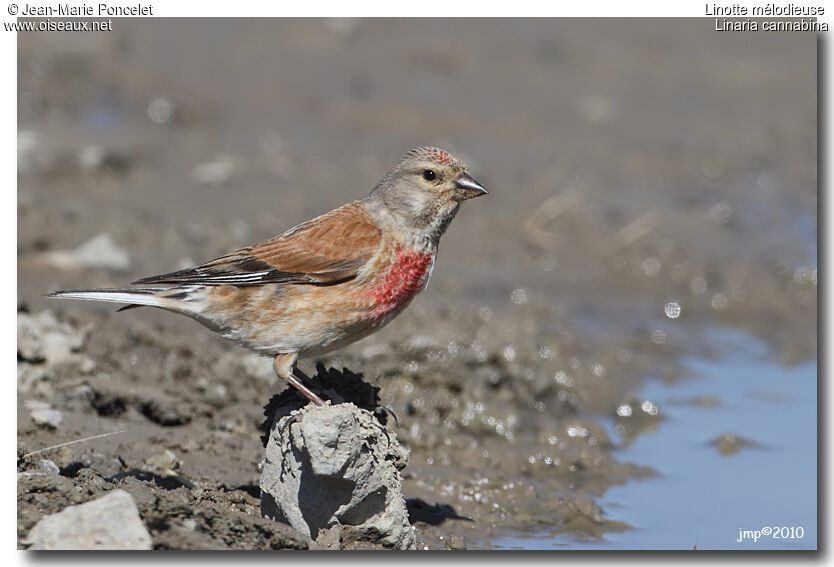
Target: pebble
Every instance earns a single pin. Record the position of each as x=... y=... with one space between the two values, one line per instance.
x=50 y=418
x=48 y=466
x=729 y=444
x=110 y=522
x=455 y=543
x=217 y=395
x=43 y=414
x=165 y=461
x=43 y=338
x=100 y=252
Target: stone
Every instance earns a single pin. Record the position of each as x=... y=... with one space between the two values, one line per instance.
x=165 y=462
x=336 y=467
x=455 y=543
x=43 y=338
x=49 y=466
x=44 y=415
x=98 y=253
x=111 y=522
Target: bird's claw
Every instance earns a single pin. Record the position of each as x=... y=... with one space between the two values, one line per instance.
x=386 y=411
x=294 y=418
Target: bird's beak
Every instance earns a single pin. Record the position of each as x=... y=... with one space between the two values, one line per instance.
x=466 y=187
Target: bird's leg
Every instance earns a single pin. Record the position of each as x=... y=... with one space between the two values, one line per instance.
x=376 y=408
x=302 y=377
x=284 y=365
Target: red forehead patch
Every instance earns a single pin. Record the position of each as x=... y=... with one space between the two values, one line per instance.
x=443 y=157
x=433 y=154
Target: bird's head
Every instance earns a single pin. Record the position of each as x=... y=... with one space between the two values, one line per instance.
x=423 y=192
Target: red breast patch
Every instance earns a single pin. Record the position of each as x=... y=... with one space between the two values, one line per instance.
x=402 y=281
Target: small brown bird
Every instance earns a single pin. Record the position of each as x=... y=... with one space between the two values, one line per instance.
x=327 y=282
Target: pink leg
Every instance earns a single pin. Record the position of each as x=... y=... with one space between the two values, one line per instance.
x=284 y=365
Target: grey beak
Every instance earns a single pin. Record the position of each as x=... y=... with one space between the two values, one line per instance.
x=468 y=188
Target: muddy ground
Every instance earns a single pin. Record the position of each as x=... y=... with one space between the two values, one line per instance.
x=649 y=180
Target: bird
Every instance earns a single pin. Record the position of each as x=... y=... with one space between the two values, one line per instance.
x=324 y=283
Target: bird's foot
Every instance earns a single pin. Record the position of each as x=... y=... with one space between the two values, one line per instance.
x=294 y=418
x=383 y=412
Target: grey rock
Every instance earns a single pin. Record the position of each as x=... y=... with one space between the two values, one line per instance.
x=45 y=343
x=217 y=395
x=43 y=338
x=455 y=543
x=34 y=379
x=335 y=466
x=48 y=466
x=110 y=522
x=100 y=252
x=44 y=416
x=165 y=462
x=51 y=418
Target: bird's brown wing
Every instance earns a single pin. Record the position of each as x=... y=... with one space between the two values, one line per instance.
x=325 y=250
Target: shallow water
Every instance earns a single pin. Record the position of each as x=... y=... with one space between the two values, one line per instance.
x=701 y=497
x=648 y=184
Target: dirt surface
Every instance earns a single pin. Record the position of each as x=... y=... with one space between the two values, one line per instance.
x=649 y=181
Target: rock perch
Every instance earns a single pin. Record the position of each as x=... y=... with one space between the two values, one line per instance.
x=336 y=468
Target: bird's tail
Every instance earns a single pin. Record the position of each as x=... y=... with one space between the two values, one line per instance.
x=134 y=297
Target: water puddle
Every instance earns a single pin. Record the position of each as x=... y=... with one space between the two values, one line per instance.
x=736 y=456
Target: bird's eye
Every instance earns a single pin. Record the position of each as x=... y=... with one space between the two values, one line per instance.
x=429 y=175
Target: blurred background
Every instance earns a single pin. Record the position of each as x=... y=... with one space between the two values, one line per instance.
x=618 y=345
